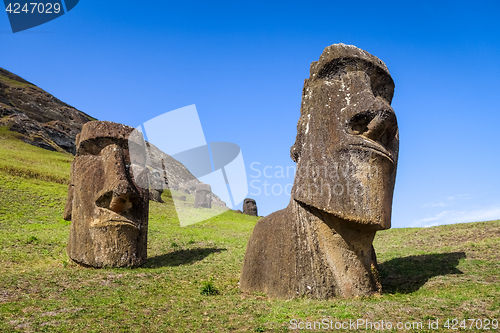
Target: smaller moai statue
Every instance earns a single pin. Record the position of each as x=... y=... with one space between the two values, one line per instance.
x=108 y=197
x=156 y=187
x=203 y=196
x=250 y=207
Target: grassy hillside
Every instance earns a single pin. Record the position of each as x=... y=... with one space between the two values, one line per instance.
x=432 y=274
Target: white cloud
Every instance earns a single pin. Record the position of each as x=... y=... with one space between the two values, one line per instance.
x=448 y=201
x=453 y=216
x=437 y=217
x=440 y=204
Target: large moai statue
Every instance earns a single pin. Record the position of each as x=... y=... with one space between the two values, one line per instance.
x=250 y=207
x=108 y=197
x=346 y=152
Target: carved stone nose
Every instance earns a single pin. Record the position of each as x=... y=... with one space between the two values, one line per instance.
x=382 y=128
x=118 y=203
x=379 y=126
x=118 y=193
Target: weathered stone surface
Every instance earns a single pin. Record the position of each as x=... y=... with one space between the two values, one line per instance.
x=250 y=207
x=107 y=208
x=346 y=152
x=203 y=196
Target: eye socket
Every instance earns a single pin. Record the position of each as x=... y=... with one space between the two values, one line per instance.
x=382 y=84
x=358 y=124
x=94 y=146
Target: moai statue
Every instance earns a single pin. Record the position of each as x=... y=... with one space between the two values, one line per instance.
x=108 y=198
x=155 y=195
x=203 y=196
x=157 y=183
x=250 y=207
x=346 y=152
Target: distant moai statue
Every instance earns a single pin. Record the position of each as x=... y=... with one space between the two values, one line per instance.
x=346 y=152
x=155 y=195
x=157 y=183
x=108 y=197
x=203 y=196
x=250 y=207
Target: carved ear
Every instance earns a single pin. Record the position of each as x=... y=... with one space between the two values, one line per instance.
x=69 y=203
x=296 y=149
x=77 y=141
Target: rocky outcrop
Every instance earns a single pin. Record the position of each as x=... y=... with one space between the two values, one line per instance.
x=46 y=122
x=40 y=118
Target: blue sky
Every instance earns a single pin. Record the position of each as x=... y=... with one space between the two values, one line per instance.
x=243 y=65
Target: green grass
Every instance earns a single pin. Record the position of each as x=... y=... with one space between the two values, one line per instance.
x=21 y=159
x=427 y=274
x=12 y=82
x=208 y=288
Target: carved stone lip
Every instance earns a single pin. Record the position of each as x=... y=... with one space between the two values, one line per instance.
x=376 y=148
x=110 y=218
x=113 y=222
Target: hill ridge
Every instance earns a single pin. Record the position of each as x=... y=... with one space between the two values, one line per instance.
x=42 y=119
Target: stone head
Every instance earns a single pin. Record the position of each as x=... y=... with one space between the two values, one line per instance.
x=347 y=138
x=108 y=197
x=203 y=196
x=250 y=207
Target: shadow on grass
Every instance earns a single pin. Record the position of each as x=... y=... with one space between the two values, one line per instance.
x=180 y=257
x=408 y=274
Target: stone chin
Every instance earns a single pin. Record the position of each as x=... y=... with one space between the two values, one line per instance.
x=112 y=242
x=358 y=186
